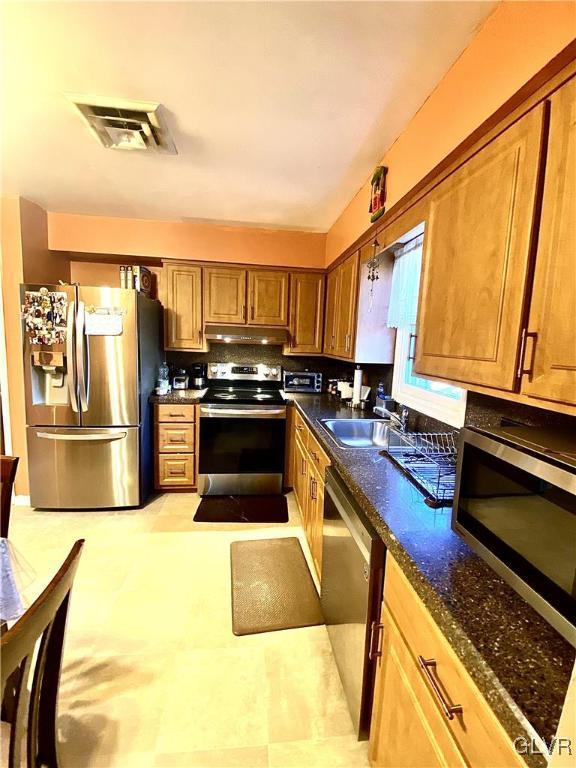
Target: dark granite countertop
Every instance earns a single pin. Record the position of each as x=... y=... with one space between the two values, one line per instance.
x=519 y=662
x=189 y=396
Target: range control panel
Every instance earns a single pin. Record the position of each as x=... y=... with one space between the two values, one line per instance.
x=236 y=372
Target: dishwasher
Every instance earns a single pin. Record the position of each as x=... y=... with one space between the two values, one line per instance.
x=352 y=581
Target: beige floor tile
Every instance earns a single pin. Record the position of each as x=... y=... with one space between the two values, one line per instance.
x=303 y=678
x=217 y=701
x=110 y=709
x=247 y=757
x=340 y=752
x=153 y=674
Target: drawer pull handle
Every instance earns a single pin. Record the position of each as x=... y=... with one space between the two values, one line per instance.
x=314 y=455
x=180 y=415
x=299 y=427
x=178 y=440
x=179 y=472
x=449 y=709
x=375 y=635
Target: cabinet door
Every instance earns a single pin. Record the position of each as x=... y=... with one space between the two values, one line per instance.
x=306 y=313
x=347 y=307
x=551 y=341
x=332 y=291
x=316 y=518
x=476 y=261
x=300 y=477
x=224 y=295
x=183 y=309
x=407 y=730
x=268 y=297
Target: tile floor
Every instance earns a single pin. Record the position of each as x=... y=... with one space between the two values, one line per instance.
x=153 y=675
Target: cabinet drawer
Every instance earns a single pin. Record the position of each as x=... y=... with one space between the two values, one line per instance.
x=317 y=454
x=175 y=439
x=170 y=413
x=301 y=429
x=176 y=469
x=476 y=729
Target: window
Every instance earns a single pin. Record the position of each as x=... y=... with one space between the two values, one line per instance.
x=438 y=399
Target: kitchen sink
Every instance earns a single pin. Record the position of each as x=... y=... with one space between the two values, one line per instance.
x=358 y=433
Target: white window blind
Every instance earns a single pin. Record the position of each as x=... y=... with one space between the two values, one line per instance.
x=405 y=284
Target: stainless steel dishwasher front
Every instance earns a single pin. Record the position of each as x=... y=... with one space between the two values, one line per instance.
x=352 y=580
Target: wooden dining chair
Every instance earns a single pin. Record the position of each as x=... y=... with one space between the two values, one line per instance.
x=8 y=467
x=45 y=620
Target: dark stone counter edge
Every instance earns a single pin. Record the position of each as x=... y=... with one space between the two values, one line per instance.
x=502 y=704
x=190 y=397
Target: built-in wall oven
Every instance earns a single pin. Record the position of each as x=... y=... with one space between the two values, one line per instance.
x=352 y=581
x=515 y=504
x=242 y=431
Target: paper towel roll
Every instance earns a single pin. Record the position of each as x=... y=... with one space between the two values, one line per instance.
x=357 y=387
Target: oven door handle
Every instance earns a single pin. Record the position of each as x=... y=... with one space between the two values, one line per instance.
x=243 y=413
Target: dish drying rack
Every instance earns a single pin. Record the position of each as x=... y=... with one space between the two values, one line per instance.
x=429 y=460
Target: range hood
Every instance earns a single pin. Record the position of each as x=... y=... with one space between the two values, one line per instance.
x=245 y=334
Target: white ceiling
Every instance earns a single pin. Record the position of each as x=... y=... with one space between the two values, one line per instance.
x=279 y=110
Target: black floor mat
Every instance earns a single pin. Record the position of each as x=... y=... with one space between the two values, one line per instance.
x=242 y=509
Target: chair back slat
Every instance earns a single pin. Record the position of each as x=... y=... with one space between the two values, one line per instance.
x=8 y=467
x=45 y=619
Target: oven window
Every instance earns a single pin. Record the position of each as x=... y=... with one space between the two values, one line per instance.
x=244 y=445
x=526 y=522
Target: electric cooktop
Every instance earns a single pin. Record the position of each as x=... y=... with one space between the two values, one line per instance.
x=243 y=396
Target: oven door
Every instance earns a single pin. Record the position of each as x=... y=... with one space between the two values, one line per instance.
x=519 y=513
x=241 y=450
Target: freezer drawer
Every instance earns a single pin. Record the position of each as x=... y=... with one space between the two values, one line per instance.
x=76 y=468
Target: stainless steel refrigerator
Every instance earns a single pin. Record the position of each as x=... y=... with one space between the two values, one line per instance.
x=90 y=362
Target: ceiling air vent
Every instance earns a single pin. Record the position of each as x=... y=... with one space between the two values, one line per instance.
x=119 y=124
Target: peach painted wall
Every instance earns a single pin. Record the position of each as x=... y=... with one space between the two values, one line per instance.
x=185 y=240
x=516 y=41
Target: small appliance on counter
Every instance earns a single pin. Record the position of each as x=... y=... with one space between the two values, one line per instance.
x=198 y=376
x=515 y=504
x=180 y=380
x=302 y=381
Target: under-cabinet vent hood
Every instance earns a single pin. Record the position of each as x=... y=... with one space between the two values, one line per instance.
x=121 y=124
x=234 y=334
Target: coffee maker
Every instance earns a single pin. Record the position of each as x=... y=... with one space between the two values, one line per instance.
x=198 y=375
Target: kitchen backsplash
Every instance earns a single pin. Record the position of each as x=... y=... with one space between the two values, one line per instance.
x=247 y=353
x=481 y=410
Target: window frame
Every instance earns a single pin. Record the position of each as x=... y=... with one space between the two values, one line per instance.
x=449 y=410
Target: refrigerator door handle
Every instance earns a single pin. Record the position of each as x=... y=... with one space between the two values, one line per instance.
x=70 y=367
x=82 y=357
x=100 y=437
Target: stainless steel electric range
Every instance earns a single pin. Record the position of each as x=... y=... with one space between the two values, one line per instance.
x=242 y=431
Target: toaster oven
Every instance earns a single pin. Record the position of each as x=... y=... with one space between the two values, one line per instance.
x=302 y=381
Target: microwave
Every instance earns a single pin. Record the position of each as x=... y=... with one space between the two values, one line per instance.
x=515 y=505
x=302 y=381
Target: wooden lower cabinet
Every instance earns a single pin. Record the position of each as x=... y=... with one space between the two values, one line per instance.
x=308 y=467
x=418 y=679
x=175 y=446
x=407 y=729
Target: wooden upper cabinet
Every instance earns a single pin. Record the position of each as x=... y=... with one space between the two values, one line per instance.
x=268 y=297
x=306 y=313
x=347 y=307
x=476 y=261
x=224 y=295
x=550 y=349
x=332 y=291
x=183 y=308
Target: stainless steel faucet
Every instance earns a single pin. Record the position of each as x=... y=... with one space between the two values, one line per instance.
x=400 y=421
